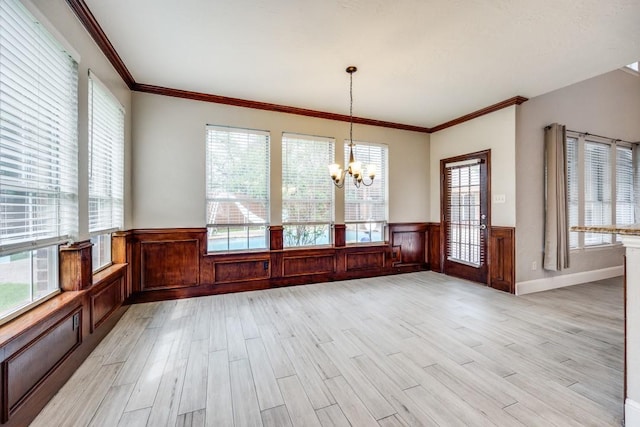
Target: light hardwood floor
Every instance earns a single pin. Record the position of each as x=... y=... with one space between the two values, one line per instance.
x=413 y=349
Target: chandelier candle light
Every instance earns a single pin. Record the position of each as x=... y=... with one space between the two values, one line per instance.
x=354 y=168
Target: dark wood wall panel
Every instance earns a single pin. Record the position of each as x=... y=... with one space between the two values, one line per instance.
x=365 y=260
x=502 y=258
x=434 y=247
x=410 y=239
x=214 y=273
x=28 y=367
x=42 y=348
x=242 y=270
x=169 y=264
x=106 y=299
x=308 y=265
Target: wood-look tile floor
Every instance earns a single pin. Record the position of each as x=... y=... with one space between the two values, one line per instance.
x=405 y=350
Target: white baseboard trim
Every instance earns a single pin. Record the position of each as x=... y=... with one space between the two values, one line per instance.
x=631 y=413
x=554 y=282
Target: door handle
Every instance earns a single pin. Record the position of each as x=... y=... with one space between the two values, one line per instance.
x=483 y=226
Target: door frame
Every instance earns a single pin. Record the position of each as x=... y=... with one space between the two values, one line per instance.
x=443 y=205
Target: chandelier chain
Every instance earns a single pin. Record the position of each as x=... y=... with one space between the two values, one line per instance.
x=351 y=108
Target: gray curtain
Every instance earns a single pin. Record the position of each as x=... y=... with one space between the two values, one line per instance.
x=556 y=225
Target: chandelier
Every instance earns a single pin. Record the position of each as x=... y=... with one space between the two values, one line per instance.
x=354 y=168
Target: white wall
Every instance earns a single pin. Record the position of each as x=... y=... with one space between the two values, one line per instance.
x=56 y=13
x=169 y=159
x=607 y=105
x=495 y=131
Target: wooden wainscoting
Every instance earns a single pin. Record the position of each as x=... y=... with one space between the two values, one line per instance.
x=30 y=365
x=301 y=262
x=502 y=256
x=41 y=349
x=173 y=263
x=409 y=243
x=167 y=258
x=434 y=253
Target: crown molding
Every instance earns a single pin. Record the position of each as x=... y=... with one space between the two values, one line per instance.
x=94 y=29
x=237 y=102
x=516 y=100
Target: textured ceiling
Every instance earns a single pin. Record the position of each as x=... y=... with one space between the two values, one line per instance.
x=420 y=62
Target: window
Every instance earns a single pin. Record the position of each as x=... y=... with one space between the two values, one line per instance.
x=597 y=190
x=237 y=188
x=598 y=170
x=38 y=158
x=307 y=192
x=366 y=207
x=633 y=66
x=106 y=170
x=624 y=187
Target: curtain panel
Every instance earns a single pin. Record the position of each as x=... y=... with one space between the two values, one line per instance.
x=556 y=229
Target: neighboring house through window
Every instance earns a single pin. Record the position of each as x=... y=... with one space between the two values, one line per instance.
x=38 y=158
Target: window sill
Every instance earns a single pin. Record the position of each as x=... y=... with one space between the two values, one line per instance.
x=107 y=273
x=358 y=244
x=596 y=247
x=237 y=252
x=298 y=248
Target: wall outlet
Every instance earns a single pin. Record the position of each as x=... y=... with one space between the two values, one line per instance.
x=534 y=265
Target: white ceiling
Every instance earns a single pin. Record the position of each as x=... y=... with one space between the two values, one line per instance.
x=420 y=62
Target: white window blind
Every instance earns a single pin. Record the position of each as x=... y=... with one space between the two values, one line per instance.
x=572 y=188
x=38 y=134
x=366 y=207
x=106 y=159
x=237 y=188
x=307 y=190
x=597 y=190
x=624 y=186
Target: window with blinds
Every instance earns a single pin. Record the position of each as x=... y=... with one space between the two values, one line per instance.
x=598 y=170
x=38 y=157
x=597 y=190
x=624 y=187
x=366 y=207
x=106 y=169
x=307 y=191
x=237 y=186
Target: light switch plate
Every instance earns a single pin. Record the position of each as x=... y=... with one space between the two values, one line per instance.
x=499 y=198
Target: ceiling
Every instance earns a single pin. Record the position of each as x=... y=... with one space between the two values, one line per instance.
x=420 y=62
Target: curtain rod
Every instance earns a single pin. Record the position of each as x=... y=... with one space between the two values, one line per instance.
x=603 y=137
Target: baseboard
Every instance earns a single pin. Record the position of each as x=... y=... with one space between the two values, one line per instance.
x=631 y=413
x=538 y=285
